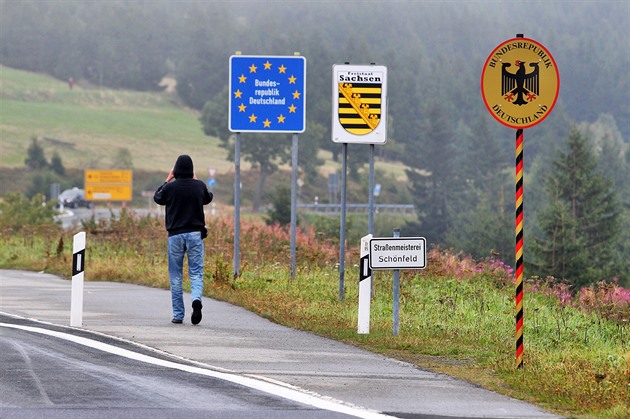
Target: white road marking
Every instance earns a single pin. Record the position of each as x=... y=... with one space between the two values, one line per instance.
x=274 y=387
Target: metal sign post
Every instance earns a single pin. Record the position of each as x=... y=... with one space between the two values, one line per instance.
x=359 y=117
x=371 y=192
x=294 y=188
x=267 y=95
x=237 y=205
x=342 y=220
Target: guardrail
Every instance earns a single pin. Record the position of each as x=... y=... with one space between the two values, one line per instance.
x=358 y=208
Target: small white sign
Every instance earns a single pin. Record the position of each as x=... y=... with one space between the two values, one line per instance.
x=398 y=253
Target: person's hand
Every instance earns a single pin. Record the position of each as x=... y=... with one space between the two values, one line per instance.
x=170 y=176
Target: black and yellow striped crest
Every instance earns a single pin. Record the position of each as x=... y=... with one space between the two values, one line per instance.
x=359 y=106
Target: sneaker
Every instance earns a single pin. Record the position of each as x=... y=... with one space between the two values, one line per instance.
x=177 y=321
x=195 y=318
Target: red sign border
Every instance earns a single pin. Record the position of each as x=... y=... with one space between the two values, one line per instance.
x=483 y=73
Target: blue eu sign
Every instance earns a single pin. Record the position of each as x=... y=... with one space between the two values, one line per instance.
x=267 y=94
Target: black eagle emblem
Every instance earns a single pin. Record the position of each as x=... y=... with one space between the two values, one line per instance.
x=520 y=87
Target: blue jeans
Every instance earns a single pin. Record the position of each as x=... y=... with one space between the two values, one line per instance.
x=178 y=246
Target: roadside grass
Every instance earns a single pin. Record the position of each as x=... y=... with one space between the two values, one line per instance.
x=456 y=317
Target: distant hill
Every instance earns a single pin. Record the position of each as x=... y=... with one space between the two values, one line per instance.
x=88 y=125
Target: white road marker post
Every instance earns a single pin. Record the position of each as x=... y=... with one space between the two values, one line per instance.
x=78 y=267
x=365 y=286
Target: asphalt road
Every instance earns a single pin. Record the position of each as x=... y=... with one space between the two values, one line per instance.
x=47 y=372
x=251 y=351
x=72 y=217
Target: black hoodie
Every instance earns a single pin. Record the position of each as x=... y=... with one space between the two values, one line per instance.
x=184 y=199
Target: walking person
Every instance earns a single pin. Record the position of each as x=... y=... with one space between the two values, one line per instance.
x=184 y=197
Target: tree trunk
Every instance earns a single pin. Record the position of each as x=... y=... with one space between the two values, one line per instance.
x=259 y=189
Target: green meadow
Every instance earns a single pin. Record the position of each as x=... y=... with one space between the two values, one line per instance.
x=87 y=125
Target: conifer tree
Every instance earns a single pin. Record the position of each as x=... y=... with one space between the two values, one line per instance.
x=483 y=220
x=431 y=171
x=35 y=156
x=579 y=228
x=281 y=212
x=56 y=164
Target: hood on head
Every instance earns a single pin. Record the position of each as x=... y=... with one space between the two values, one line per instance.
x=183 y=167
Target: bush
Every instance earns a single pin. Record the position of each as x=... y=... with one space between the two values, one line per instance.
x=281 y=212
x=17 y=211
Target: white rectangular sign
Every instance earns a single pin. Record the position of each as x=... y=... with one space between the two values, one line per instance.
x=359 y=104
x=398 y=253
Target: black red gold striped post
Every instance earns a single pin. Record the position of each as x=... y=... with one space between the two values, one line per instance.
x=519 y=248
x=498 y=86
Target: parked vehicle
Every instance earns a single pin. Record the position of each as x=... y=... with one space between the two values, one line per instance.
x=72 y=198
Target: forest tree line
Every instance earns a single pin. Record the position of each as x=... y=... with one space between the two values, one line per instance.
x=459 y=161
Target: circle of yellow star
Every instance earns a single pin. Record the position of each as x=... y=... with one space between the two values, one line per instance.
x=267 y=65
x=292 y=79
x=292 y=109
x=238 y=94
x=296 y=95
x=282 y=69
x=252 y=68
x=252 y=118
x=267 y=123
x=281 y=119
x=242 y=79
x=242 y=107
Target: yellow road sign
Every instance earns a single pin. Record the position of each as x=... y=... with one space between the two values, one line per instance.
x=108 y=192
x=108 y=176
x=108 y=185
x=520 y=83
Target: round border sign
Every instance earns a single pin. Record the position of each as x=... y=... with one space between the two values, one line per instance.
x=520 y=83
